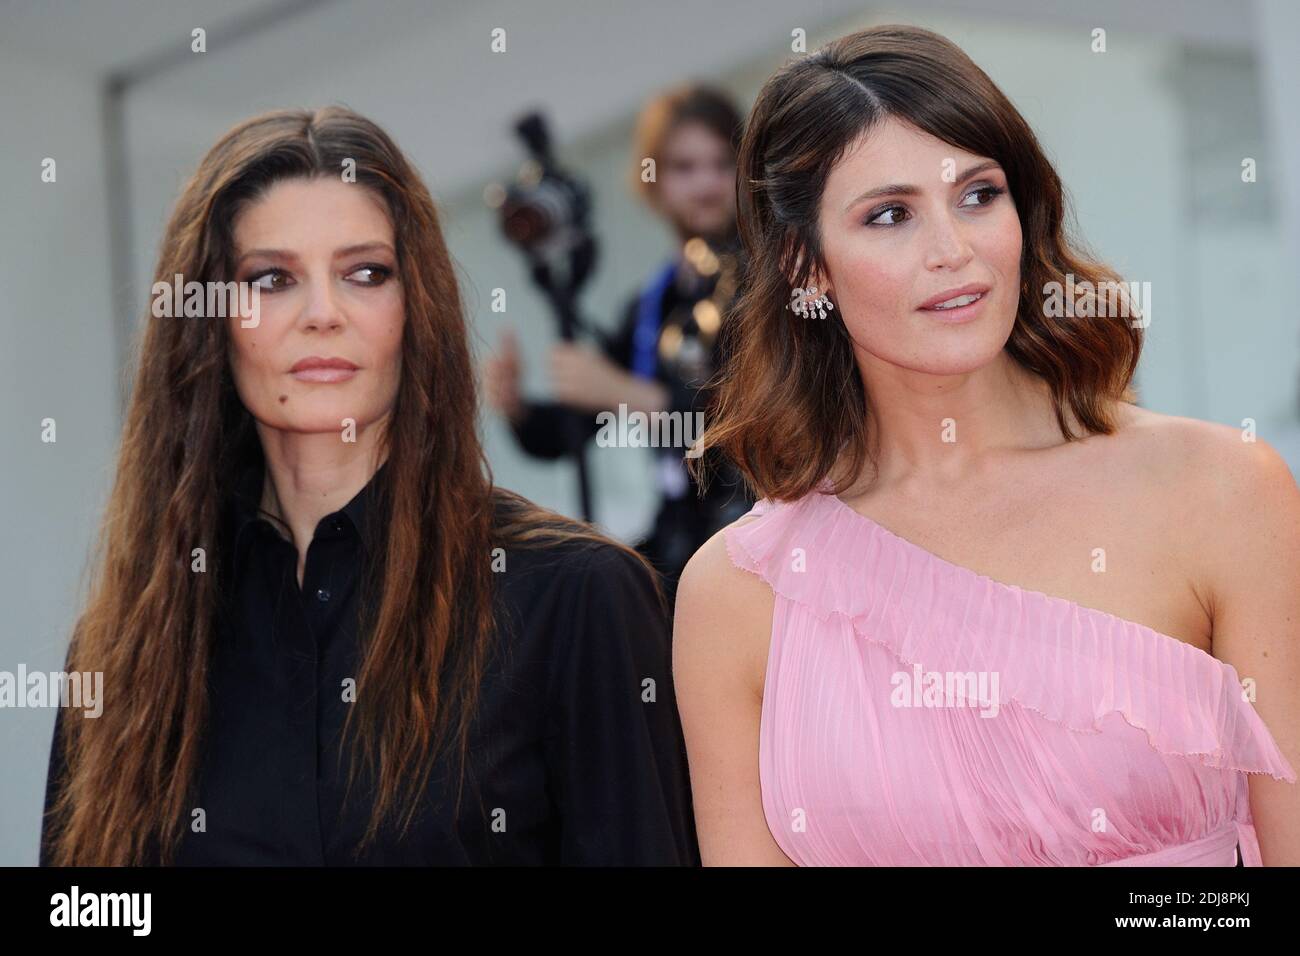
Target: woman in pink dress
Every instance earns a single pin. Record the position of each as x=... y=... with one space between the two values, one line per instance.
x=947 y=409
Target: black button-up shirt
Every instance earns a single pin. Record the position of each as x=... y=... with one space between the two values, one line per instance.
x=570 y=760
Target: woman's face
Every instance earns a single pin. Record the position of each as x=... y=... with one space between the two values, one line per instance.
x=323 y=256
x=933 y=221
x=697 y=181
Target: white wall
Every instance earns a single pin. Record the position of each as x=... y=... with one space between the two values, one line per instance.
x=56 y=362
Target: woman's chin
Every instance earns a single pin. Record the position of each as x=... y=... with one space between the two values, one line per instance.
x=962 y=353
x=342 y=426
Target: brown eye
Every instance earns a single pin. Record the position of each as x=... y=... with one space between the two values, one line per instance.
x=373 y=274
x=272 y=280
x=875 y=219
x=989 y=192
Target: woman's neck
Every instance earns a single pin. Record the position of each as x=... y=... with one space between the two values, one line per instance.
x=947 y=430
x=309 y=476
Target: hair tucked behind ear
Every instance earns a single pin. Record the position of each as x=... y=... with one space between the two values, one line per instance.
x=791 y=403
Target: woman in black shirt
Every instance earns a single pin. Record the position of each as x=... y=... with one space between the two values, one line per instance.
x=326 y=636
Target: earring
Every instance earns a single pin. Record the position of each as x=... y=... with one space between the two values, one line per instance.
x=810 y=308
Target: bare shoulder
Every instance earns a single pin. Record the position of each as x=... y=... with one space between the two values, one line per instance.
x=712 y=557
x=1227 y=495
x=711 y=578
x=1159 y=441
x=723 y=616
x=1208 y=464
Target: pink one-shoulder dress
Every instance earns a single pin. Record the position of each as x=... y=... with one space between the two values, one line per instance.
x=917 y=713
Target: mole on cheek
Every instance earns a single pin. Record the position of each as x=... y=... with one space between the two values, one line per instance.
x=283 y=399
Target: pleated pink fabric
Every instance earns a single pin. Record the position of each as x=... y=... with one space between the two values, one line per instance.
x=917 y=713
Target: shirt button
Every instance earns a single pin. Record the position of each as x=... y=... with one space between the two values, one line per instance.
x=336 y=525
x=322 y=595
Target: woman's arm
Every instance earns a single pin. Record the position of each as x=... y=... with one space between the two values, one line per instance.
x=1251 y=545
x=720 y=638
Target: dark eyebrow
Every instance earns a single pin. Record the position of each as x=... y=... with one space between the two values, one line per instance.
x=375 y=246
x=896 y=189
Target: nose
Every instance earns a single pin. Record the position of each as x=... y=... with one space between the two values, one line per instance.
x=949 y=249
x=321 y=311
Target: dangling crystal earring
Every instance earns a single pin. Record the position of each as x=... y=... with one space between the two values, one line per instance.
x=816 y=307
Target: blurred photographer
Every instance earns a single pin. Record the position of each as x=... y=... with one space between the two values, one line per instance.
x=670 y=340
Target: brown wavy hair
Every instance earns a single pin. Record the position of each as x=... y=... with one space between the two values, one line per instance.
x=791 y=402
x=150 y=622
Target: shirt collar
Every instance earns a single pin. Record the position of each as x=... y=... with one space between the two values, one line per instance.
x=245 y=504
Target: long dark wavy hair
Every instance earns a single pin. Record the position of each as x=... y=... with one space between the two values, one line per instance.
x=791 y=402
x=150 y=622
